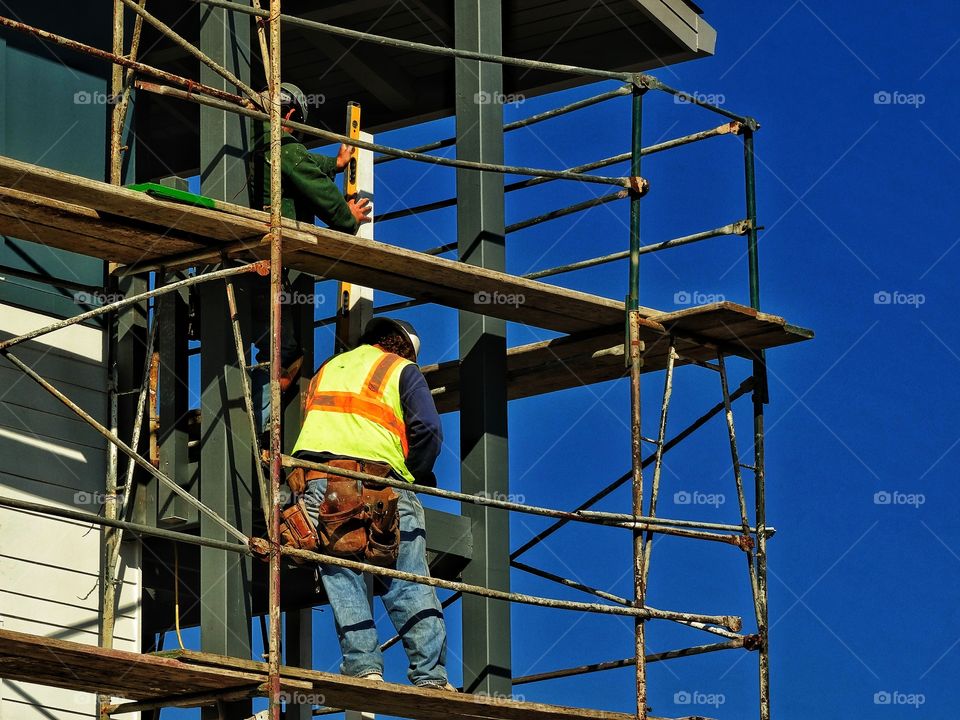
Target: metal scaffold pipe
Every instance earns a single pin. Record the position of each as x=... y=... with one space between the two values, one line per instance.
x=658 y=455
x=735 y=644
x=376 y=147
x=191 y=85
x=642 y=522
x=258 y=267
x=247 y=397
x=725 y=129
x=276 y=319
x=552 y=215
x=737 y=228
x=525 y=122
x=646 y=612
x=260 y=548
x=135 y=529
x=634 y=356
x=653 y=83
x=760 y=398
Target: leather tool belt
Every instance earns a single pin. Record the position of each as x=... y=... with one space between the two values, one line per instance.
x=357 y=519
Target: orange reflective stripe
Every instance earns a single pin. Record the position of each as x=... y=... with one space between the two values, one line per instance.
x=378 y=373
x=354 y=404
x=315 y=381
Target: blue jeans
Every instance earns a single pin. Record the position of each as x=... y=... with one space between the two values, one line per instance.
x=413 y=608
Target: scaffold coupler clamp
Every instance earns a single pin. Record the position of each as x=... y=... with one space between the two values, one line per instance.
x=750 y=123
x=261 y=268
x=638 y=186
x=642 y=82
x=260 y=547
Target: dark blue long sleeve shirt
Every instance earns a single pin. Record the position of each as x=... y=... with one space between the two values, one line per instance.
x=424 y=430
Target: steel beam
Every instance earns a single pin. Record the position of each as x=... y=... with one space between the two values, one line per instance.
x=173 y=308
x=226 y=464
x=483 y=410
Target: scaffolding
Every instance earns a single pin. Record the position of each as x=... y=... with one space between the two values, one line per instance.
x=107 y=221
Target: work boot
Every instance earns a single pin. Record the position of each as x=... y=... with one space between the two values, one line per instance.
x=447 y=687
x=372 y=676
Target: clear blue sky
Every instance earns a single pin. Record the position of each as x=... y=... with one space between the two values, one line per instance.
x=858 y=199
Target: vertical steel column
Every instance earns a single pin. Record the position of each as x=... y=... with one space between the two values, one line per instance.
x=760 y=398
x=174 y=405
x=165 y=507
x=276 y=316
x=483 y=405
x=226 y=466
x=226 y=486
x=635 y=357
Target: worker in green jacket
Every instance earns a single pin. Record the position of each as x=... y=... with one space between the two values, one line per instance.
x=308 y=185
x=309 y=191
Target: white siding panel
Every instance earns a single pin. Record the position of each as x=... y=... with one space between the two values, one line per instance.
x=67 y=616
x=21 y=700
x=67 y=546
x=49 y=567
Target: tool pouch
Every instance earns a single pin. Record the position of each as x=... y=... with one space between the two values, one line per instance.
x=297 y=530
x=342 y=519
x=383 y=539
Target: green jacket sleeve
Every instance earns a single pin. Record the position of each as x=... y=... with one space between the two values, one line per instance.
x=313 y=177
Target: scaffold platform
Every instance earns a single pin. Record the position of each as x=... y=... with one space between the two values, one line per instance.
x=128 y=227
x=186 y=678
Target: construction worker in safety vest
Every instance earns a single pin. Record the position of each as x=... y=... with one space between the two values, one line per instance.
x=309 y=191
x=370 y=410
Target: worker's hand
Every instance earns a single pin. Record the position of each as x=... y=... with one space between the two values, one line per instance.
x=296 y=480
x=343 y=157
x=361 y=209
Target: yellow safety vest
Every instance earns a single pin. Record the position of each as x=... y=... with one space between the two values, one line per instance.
x=354 y=410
